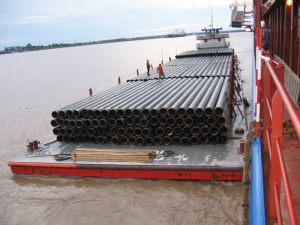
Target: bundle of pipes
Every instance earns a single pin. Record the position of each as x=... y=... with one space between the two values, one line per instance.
x=205 y=66
x=205 y=52
x=167 y=111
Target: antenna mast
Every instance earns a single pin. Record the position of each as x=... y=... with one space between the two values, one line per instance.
x=211 y=15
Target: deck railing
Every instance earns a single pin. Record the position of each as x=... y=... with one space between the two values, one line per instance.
x=274 y=99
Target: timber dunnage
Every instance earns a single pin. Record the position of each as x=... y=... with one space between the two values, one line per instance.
x=114 y=155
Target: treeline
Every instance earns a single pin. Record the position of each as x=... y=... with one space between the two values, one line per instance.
x=30 y=47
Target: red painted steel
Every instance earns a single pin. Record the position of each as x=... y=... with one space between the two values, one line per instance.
x=284 y=24
x=273 y=75
x=290 y=107
x=286 y=184
x=75 y=170
x=275 y=176
x=278 y=205
x=291 y=153
x=269 y=108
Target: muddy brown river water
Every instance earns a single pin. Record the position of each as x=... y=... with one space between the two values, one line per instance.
x=32 y=84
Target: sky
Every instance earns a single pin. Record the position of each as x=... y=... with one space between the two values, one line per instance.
x=69 y=21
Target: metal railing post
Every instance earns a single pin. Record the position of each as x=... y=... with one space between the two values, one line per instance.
x=275 y=175
x=276 y=134
x=266 y=112
x=258 y=79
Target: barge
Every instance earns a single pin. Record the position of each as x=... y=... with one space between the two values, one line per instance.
x=273 y=135
x=192 y=157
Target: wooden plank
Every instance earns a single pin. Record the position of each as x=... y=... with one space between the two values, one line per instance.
x=116 y=155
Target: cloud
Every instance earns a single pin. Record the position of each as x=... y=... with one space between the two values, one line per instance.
x=50 y=18
x=183 y=5
x=72 y=12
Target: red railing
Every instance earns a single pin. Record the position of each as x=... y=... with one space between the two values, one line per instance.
x=275 y=98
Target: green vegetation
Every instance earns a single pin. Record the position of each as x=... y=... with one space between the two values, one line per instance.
x=30 y=47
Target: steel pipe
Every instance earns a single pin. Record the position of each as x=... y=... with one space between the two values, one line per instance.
x=176 y=140
x=123 y=140
x=115 y=140
x=188 y=121
x=179 y=121
x=148 y=141
x=222 y=129
x=214 y=139
x=201 y=106
x=138 y=131
x=185 y=141
x=159 y=131
x=209 y=109
x=220 y=105
x=214 y=130
x=204 y=139
x=146 y=132
x=130 y=131
x=196 y=130
x=157 y=140
x=178 y=131
x=169 y=131
x=204 y=130
x=194 y=140
x=195 y=101
x=139 y=141
x=166 y=140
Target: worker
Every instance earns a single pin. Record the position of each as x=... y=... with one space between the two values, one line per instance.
x=160 y=71
x=148 y=67
x=266 y=36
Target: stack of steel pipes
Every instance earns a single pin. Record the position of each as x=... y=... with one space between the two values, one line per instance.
x=208 y=65
x=179 y=111
x=204 y=52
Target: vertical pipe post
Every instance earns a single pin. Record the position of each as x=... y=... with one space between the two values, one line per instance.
x=137 y=72
x=231 y=82
x=258 y=80
x=119 y=80
x=276 y=134
x=287 y=35
x=90 y=91
x=266 y=97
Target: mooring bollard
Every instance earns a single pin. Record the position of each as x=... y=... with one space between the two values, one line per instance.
x=91 y=91
x=119 y=80
x=137 y=72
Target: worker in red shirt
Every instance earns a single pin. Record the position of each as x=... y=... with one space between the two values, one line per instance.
x=148 y=67
x=160 y=71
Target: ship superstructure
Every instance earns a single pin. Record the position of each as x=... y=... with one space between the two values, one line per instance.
x=212 y=39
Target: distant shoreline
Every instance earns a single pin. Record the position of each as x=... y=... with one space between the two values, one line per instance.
x=30 y=47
